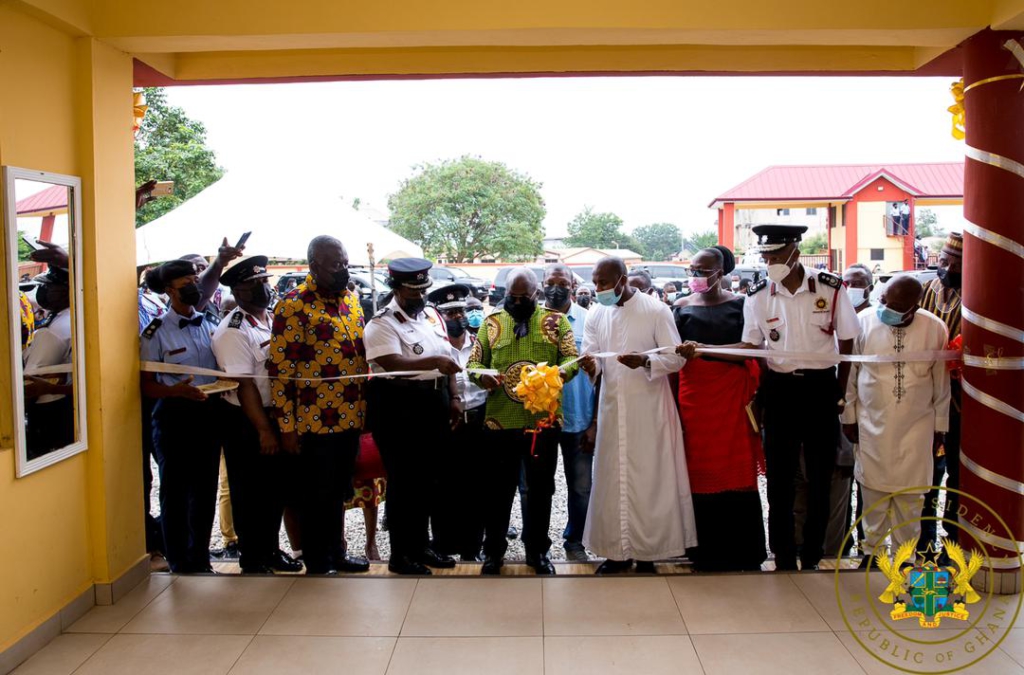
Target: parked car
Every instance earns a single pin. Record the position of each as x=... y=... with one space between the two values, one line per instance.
x=453 y=275
x=924 y=276
x=664 y=273
x=741 y=273
x=358 y=275
x=497 y=293
x=585 y=272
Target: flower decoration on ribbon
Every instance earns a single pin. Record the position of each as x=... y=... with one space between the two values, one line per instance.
x=139 y=109
x=957 y=109
x=956 y=368
x=540 y=388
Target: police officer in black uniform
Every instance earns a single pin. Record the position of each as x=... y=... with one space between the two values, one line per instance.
x=411 y=417
x=797 y=310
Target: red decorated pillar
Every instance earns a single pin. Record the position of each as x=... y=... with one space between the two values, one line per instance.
x=727 y=225
x=992 y=448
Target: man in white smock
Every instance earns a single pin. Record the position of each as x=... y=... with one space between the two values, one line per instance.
x=640 y=505
x=895 y=412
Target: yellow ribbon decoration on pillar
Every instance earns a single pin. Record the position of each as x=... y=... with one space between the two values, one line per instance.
x=139 y=109
x=957 y=110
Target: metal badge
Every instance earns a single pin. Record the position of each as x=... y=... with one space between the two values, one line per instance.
x=417 y=349
x=773 y=335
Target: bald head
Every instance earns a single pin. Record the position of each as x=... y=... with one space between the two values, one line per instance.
x=610 y=265
x=902 y=293
x=521 y=282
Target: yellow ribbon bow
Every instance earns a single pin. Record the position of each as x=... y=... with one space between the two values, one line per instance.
x=139 y=109
x=540 y=388
x=957 y=109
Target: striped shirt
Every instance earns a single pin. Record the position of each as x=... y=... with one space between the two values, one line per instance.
x=943 y=303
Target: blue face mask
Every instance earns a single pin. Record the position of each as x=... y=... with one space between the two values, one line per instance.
x=890 y=317
x=475 y=318
x=610 y=297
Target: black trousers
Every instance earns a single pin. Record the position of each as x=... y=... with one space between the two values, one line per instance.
x=506 y=452
x=459 y=522
x=49 y=426
x=187 y=436
x=260 y=487
x=325 y=469
x=154 y=532
x=947 y=464
x=412 y=443
x=799 y=411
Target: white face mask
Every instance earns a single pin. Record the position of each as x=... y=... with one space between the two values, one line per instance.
x=780 y=271
x=857 y=296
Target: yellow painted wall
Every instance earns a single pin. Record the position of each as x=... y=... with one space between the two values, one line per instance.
x=871 y=234
x=80 y=521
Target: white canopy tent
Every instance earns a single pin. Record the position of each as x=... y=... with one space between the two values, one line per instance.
x=282 y=219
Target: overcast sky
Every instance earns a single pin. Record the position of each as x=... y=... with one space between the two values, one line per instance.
x=650 y=149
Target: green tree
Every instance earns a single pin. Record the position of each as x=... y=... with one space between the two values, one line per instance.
x=815 y=244
x=468 y=208
x=24 y=250
x=599 y=230
x=170 y=146
x=700 y=241
x=926 y=224
x=659 y=241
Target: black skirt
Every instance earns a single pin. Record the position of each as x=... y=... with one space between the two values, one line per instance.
x=730 y=532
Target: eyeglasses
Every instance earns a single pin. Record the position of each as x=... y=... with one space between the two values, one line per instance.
x=701 y=273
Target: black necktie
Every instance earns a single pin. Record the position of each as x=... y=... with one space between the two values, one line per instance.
x=195 y=321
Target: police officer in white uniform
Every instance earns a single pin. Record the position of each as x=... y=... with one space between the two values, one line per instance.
x=797 y=310
x=411 y=417
x=462 y=465
x=260 y=472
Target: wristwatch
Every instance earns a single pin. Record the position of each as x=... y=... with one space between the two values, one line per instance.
x=647 y=362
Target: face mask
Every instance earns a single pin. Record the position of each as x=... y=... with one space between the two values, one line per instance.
x=609 y=297
x=190 y=295
x=890 y=317
x=780 y=271
x=336 y=282
x=475 y=318
x=521 y=311
x=412 y=307
x=456 y=327
x=583 y=301
x=949 y=279
x=260 y=296
x=701 y=285
x=556 y=297
x=48 y=296
x=671 y=297
x=735 y=285
x=857 y=296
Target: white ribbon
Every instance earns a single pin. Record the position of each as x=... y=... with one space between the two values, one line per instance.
x=817 y=357
x=176 y=369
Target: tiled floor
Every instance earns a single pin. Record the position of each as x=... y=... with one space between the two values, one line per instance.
x=714 y=624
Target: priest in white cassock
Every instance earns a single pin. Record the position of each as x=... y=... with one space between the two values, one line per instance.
x=896 y=412
x=640 y=505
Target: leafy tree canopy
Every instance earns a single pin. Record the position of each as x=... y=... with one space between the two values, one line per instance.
x=468 y=208
x=659 y=241
x=815 y=244
x=170 y=146
x=926 y=224
x=599 y=230
x=700 y=240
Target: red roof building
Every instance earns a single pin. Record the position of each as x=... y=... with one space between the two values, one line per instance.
x=868 y=208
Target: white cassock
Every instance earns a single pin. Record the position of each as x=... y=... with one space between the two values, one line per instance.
x=898 y=407
x=640 y=504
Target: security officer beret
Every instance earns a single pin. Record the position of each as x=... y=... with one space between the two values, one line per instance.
x=410 y=272
x=158 y=279
x=452 y=296
x=54 y=275
x=254 y=267
x=774 y=237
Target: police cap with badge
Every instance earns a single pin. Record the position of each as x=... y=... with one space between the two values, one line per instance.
x=410 y=272
x=772 y=238
x=248 y=269
x=452 y=296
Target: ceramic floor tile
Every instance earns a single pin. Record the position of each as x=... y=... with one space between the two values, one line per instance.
x=733 y=603
x=468 y=656
x=475 y=608
x=600 y=606
x=63 y=654
x=295 y=655
x=353 y=607
x=771 y=653
x=621 y=655
x=1013 y=645
x=166 y=655
x=212 y=605
x=112 y=618
x=943 y=650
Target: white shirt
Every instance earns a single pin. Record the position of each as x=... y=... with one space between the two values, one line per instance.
x=392 y=331
x=797 y=322
x=241 y=344
x=473 y=395
x=51 y=346
x=897 y=407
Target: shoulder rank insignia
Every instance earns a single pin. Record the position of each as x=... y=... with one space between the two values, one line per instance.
x=236 y=320
x=150 y=330
x=830 y=279
x=382 y=312
x=760 y=285
x=212 y=317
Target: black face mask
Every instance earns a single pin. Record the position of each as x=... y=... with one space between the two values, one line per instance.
x=583 y=301
x=260 y=296
x=556 y=297
x=51 y=297
x=190 y=294
x=412 y=307
x=456 y=327
x=522 y=310
x=949 y=279
x=335 y=281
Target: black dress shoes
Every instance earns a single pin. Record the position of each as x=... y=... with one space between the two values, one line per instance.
x=282 y=562
x=614 y=567
x=541 y=564
x=645 y=567
x=492 y=566
x=257 y=569
x=434 y=559
x=351 y=563
x=405 y=565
